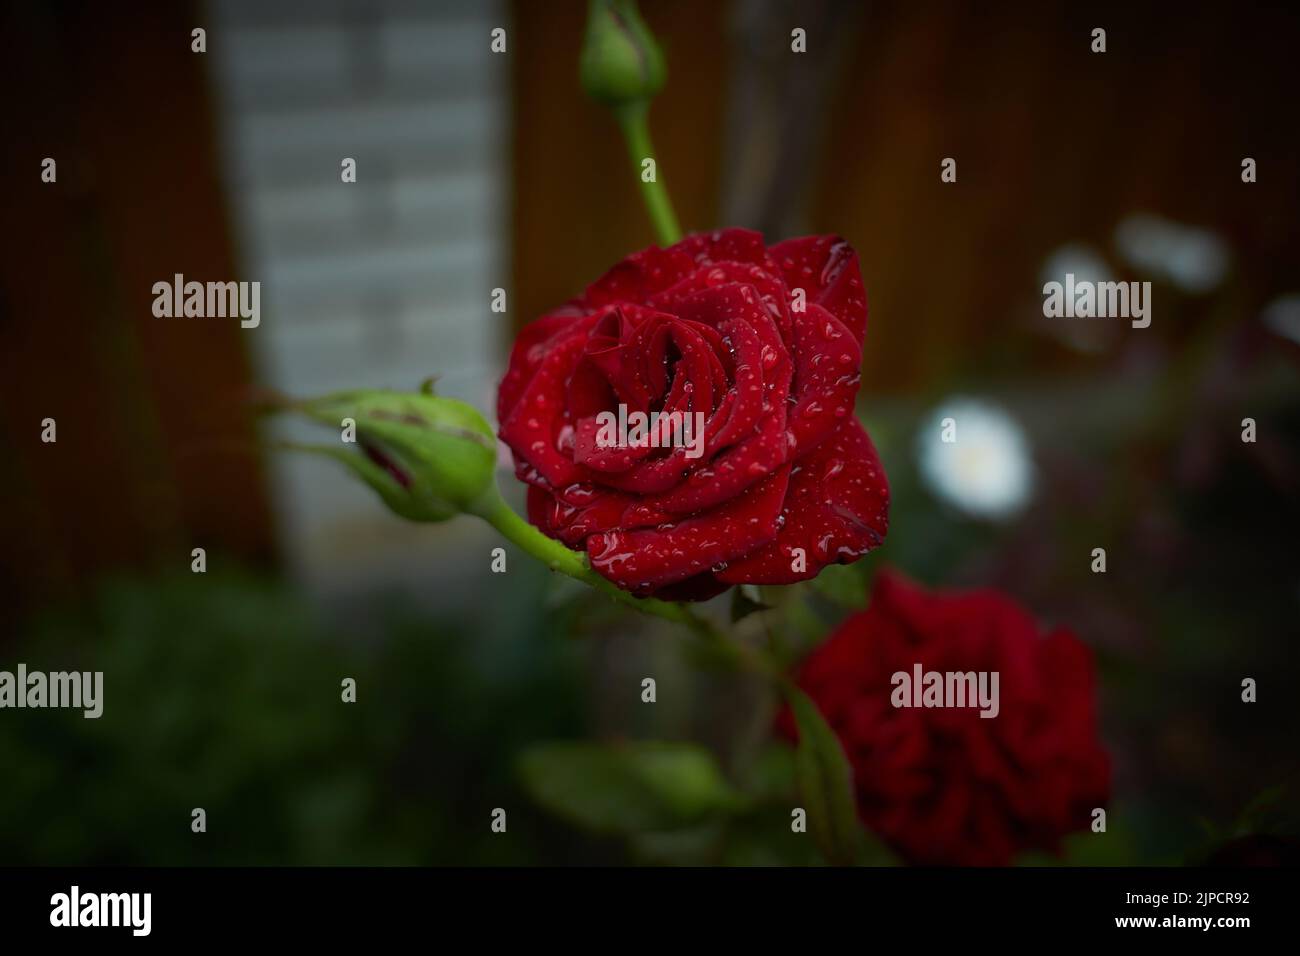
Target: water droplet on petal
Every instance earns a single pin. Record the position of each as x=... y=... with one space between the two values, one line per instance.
x=564 y=440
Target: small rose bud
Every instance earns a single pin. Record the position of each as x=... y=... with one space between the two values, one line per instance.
x=621 y=62
x=430 y=458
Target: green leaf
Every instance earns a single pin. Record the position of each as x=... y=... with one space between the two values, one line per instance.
x=825 y=781
x=770 y=775
x=842 y=584
x=745 y=601
x=628 y=788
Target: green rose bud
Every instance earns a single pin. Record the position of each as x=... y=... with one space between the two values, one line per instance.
x=621 y=62
x=430 y=458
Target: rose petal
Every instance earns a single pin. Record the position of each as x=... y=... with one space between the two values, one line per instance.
x=534 y=422
x=722 y=309
x=827 y=364
x=758 y=419
x=534 y=343
x=723 y=245
x=645 y=559
x=836 y=510
x=764 y=279
x=572 y=518
x=826 y=268
x=609 y=352
x=639 y=276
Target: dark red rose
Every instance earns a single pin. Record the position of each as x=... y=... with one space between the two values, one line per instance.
x=945 y=786
x=707 y=326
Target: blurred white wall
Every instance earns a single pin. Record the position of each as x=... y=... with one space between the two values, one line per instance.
x=377 y=283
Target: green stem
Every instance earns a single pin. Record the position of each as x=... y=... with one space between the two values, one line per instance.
x=557 y=557
x=633 y=120
x=494 y=510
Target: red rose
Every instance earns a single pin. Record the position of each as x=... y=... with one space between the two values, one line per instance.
x=705 y=326
x=943 y=785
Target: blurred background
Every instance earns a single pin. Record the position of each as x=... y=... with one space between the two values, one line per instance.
x=478 y=170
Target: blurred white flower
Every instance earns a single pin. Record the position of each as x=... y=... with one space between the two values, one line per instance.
x=1084 y=261
x=1282 y=316
x=985 y=469
x=1087 y=265
x=1195 y=260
